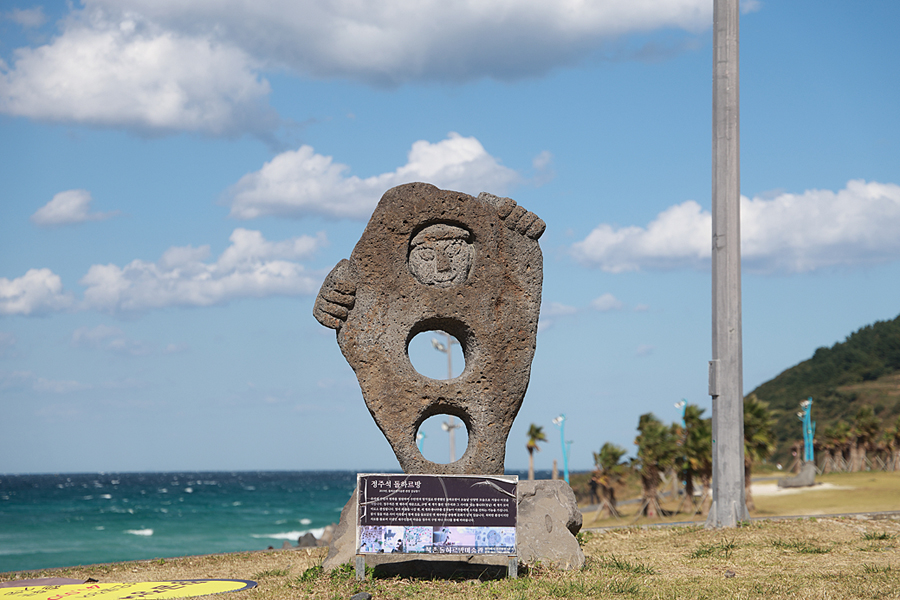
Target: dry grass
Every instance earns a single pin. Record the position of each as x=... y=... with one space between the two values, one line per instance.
x=854 y=492
x=796 y=559
x=258 y=565
x=883 y=392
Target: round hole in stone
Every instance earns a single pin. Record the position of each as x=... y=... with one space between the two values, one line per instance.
x=433 y=438
x=428 y=355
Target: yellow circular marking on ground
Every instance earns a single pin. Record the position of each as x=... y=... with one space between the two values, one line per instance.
x=147 y=590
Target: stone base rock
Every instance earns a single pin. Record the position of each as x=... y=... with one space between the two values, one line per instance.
x=805 y=478
x=327 y=535
x=342 y=550
x=548 y=519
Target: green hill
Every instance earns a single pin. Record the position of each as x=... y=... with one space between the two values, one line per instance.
x=863 y=370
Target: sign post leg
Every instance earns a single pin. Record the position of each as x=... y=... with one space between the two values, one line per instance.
x=360 y=567
x=512 y=568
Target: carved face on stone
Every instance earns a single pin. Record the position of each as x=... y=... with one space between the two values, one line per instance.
x=441 y=255
x=432 y=260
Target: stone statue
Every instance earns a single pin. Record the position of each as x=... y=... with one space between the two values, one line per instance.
x=439 y=260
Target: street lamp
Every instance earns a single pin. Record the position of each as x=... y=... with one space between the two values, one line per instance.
x=420 y=440
x=682 y=405
x=560 y=422
x=449 y=425
x=809 y=429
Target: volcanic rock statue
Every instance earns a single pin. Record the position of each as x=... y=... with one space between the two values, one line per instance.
x=433 y=259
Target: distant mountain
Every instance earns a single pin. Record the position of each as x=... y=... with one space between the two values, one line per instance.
x=863 y=370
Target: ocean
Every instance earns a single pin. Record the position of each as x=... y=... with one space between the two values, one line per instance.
x=66 y=520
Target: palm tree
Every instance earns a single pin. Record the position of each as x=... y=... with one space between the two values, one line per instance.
x=696 y=449
x=883 y=450
x=758 y=442
x=894 y=445
x=865 y=428
x=657 y=449
x=535 y=435
x=837 y=442
x=610 y=471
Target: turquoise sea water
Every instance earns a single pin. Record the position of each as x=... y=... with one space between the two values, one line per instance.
x=66 y=520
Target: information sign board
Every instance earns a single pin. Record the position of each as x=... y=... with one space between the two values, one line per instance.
x=436 y=514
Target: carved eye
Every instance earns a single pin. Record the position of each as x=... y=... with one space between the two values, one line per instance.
x=453 y=248
x=426 y=253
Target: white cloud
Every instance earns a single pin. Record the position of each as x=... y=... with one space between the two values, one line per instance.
x=112 y=339
x=29 y=18
x=127 y=72
x=606 y=303
x=301 y=182
x=94 y=336
x=542 y=161
x=821 y=228
x=788 y=233
x=14 y=380
x=551 y=312
x=58 y=387
x=250 y=267
x=37 y=292
x=543 y=168
x=397 y=41
x=558 y=309
x=158 y=66
x=679 y=236
x=70 y=206
x=644 y=350
x=26 y=380
x=750 y=6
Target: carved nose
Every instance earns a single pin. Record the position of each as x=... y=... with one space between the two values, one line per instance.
x=443 y=261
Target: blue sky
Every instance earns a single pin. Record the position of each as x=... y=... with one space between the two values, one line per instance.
x=178 y=178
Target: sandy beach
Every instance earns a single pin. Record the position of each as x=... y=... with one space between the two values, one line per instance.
x=772 y=489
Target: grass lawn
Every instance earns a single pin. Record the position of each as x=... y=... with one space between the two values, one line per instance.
x=872 y=491
x=852 y=492
x=795 y=559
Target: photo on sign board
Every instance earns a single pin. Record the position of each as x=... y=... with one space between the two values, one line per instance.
x=474 y=540
x=371 y=539
x=418 y=539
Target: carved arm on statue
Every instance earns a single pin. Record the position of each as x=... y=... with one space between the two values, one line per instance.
x=515 y=217
x=336 y=296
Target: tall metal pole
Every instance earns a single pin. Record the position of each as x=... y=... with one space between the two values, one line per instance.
x=726 y=368
x=560 y=422
x=450 y=426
